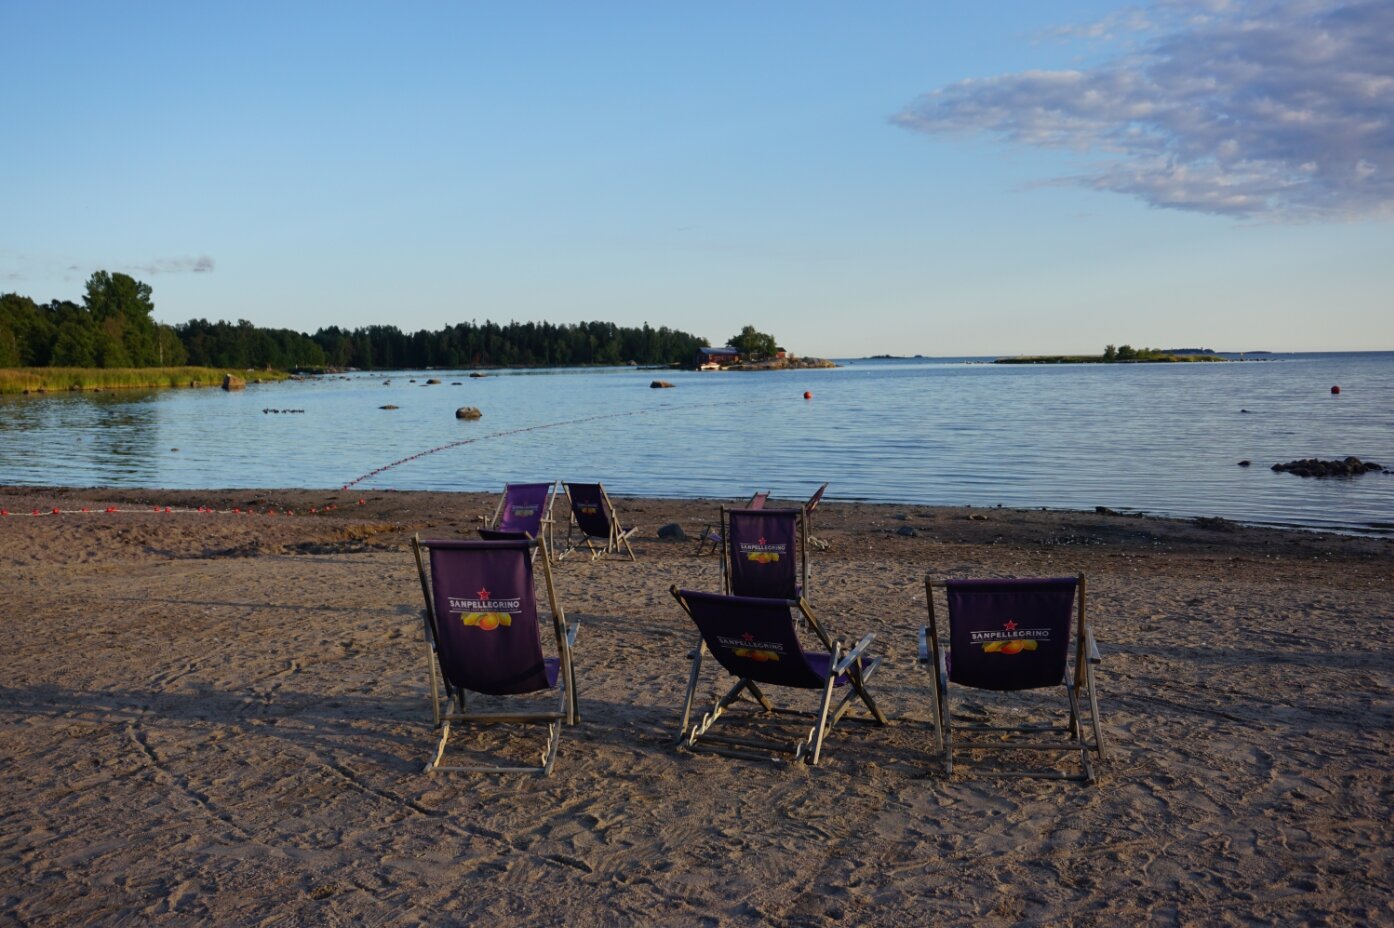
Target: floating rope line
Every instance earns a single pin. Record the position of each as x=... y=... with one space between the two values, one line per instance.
x=329 y=507
x=534 y=428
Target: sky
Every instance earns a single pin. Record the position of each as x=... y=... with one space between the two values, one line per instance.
x=889 y=178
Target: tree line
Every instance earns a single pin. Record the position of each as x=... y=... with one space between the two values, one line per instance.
x=113 y=327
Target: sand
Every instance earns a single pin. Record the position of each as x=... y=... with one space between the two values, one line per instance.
x=222 y=719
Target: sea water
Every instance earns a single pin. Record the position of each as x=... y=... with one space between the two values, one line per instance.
x=1159 y=438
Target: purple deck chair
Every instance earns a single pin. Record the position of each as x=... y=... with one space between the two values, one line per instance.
x=1011 y=636
x=756 y=642
x=524 y=511
x=482 y=628
x=711 y=538
x=766 y=553
x=594 y=519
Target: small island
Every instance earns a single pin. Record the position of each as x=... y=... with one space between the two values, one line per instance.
x=752 y=350
x=1121 y=354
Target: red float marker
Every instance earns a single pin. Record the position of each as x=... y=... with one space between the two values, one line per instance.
x=808 y=394
x=1335 y=391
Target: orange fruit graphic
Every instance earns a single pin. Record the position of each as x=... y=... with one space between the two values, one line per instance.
x=1015 y=646
x=486 y=621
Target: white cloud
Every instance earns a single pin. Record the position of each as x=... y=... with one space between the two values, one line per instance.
x=1280 y=110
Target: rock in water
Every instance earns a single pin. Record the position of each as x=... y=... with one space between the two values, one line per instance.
x=660 y=385
x=1315 y=467
x=468 y=412
x=231 y=382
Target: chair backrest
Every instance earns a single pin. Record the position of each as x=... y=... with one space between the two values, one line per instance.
x=759 y=500
x=1010 y=634
x=589 y=506
x=752 y=638
x=815 y=499
x=524 y=507
x=761 y=551
x=484 y=616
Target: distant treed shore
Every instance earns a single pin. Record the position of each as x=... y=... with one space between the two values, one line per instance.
x=58 y=379
x=113 y=328
x=1123 y=354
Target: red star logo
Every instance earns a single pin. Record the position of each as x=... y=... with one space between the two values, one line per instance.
x=483 y=594
x=747 y=637
x=762 y=540
x=1010 y=626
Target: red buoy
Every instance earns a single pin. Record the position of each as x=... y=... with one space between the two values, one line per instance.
x=808 y=394
x=1335 y=391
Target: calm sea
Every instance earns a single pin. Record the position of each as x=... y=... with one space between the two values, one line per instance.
x=1157 y=438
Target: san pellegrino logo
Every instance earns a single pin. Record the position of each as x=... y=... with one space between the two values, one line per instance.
x=1012 y=639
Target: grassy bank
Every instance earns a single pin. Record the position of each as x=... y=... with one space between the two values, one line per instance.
x=62 y=379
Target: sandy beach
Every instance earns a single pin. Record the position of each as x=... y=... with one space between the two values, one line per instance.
x=217 y=718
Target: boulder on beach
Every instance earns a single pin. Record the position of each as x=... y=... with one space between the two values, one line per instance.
x=233 y=382
x=468 y=412
x=672 y=532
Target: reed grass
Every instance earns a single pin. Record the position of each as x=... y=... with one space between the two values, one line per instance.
x=63 y=379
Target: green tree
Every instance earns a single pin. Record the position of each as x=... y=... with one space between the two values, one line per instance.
x=121 y=306
x=753 y=344
x=1110 y=353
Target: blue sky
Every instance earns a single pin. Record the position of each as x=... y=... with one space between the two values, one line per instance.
x=943 y=179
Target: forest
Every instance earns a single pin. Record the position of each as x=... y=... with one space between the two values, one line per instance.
x=113 y=327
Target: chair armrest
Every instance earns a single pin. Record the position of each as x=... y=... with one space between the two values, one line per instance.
x=1094 y=657
x=852 y=656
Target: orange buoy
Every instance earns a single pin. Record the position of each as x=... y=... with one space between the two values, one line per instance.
x=1335 y=391
x=808 y=394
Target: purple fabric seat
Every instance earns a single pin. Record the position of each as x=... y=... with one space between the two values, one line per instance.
x=763 y=554
x=482 y=623
x=1012 y=635
x=755 y=640
x=522 y=512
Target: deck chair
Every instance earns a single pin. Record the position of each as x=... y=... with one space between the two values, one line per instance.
x=755 y=641
x=484 y=638
x=766 y=553
x=594 y=519
x=711 y=538
x=1012 y=636
x=524 y=511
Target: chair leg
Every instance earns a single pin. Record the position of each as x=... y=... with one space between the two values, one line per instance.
x=824 y=704
x=1094 y=711
x=440 y=748
x=691 y=690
